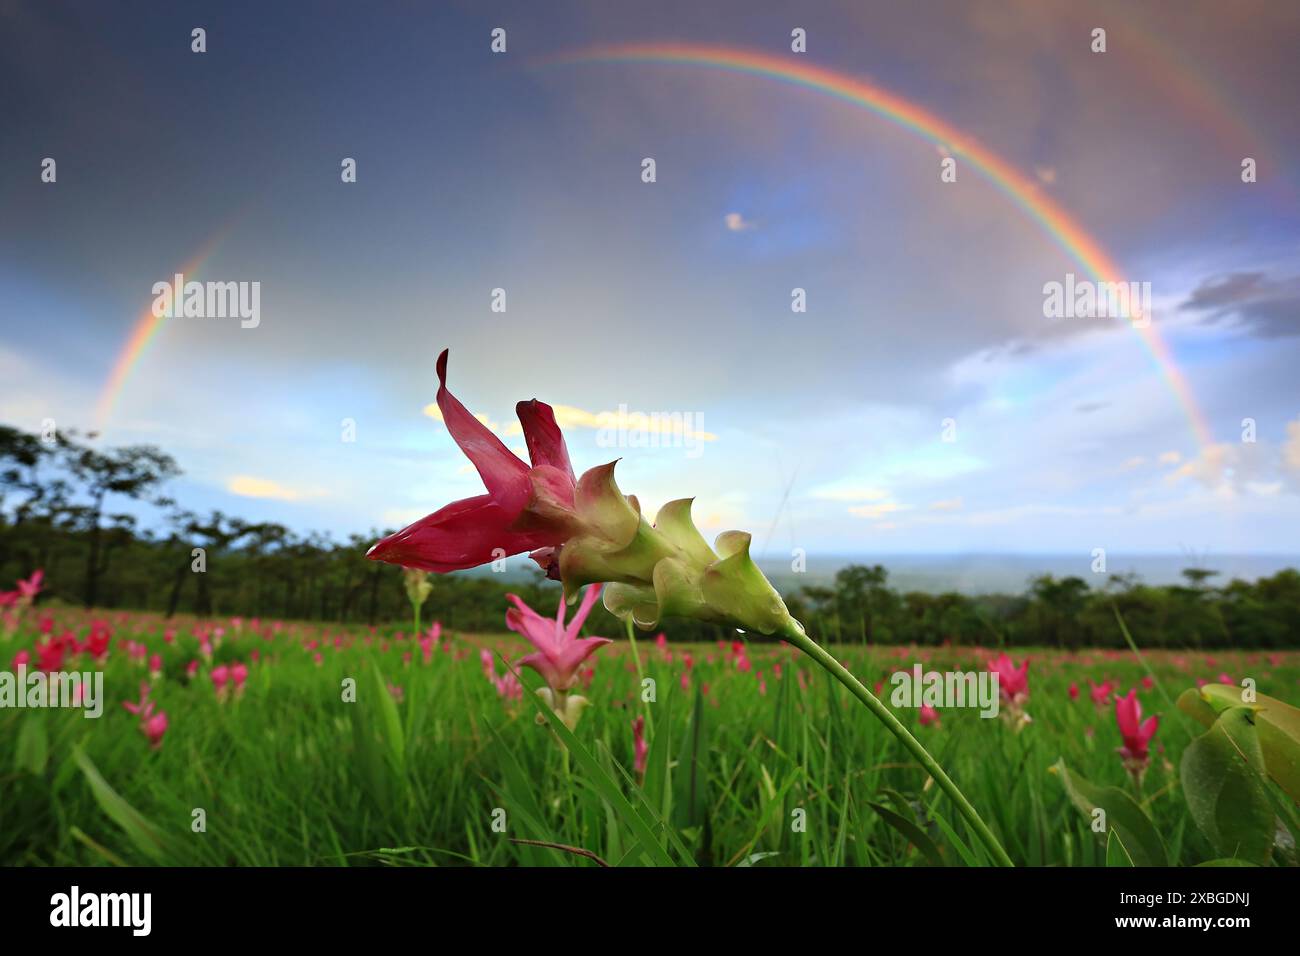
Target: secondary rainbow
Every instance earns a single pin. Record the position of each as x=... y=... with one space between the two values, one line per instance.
x=1024 y=192
x=143 y=333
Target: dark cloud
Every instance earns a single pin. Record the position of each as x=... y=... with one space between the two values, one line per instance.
x=1268 y=308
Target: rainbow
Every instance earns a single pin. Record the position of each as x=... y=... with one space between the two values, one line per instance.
x=1064 y=230
x=143 y=333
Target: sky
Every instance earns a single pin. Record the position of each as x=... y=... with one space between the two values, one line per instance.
x=922 y=403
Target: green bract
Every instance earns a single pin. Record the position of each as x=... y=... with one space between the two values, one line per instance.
x=665 y=569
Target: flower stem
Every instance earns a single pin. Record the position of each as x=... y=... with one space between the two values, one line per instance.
x=814 y=650
x=640 y=675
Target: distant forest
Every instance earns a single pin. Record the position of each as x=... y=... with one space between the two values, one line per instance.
x=60 y=501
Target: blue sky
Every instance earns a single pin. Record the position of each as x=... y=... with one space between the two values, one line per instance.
x=479 y=171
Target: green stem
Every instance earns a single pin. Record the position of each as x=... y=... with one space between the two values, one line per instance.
x=640 y=676
x=416 y=608
x=886 y=717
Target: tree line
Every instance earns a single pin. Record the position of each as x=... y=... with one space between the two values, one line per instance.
x=70 y=507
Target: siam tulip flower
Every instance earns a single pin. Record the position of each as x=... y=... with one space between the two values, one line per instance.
x=429 y=640
x=585 y=531
x=1074 y=691
x=155 y=666
x=640 y=749
x=1136 y=732
x=929 y=716
x=191 y=669
x=238 y=675
x=153 y=723
x=559 y=651
x=525 y=508
x=154 y=726
x=418 y=588
x=220 y=678
x=1147 y=682
x=1013 y=681
x=27 y=590
x=49 y=654
x=1013 y=686
x=1100 y=693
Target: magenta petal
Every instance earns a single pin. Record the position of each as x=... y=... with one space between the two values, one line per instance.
x=589 y=599
x=464 y=534
x=545 y=440
x=539 y=631
x=503 y=474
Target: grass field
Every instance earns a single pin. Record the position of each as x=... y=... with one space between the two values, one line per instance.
x=755 y=757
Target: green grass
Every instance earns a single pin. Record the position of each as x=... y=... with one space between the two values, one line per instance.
x=290 y=774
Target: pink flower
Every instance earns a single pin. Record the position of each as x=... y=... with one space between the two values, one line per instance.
x=154 y=727
x=1074 y=691
x=238 y=675
x=155 y=665
x=429 y=640
x=191 y=669
x=1013 y=682
x=560 y=652
x=1100 y=693
x=525 y=508
x=1147 y=682
x=640 y=748
x=50 y=654
x=220 y=677
x=929 y=716
x=32 y=586
x=1136 y=732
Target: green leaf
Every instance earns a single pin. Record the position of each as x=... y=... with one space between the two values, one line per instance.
x=913 y=833
x=389 y=722
x=1227 y=861
x=1222 y=775
x=1139 y=836
x=1116 y=853
x=147 y=838
x=32 y=748
x=1277 y=725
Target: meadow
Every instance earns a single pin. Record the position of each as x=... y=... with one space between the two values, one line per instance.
x=286 y=743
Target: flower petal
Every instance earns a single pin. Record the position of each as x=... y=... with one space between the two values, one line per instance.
x=545 y=440
x=464 y=534
x=503 y=473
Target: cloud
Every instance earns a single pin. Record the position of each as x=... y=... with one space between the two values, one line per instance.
x=1170 y=458
x=877 y=511
x=247 y=486
x=737 y=223
x=850 y=493
x=1267 y=308
x=1291 y=448
x=948 y=504
x=1137 y=461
